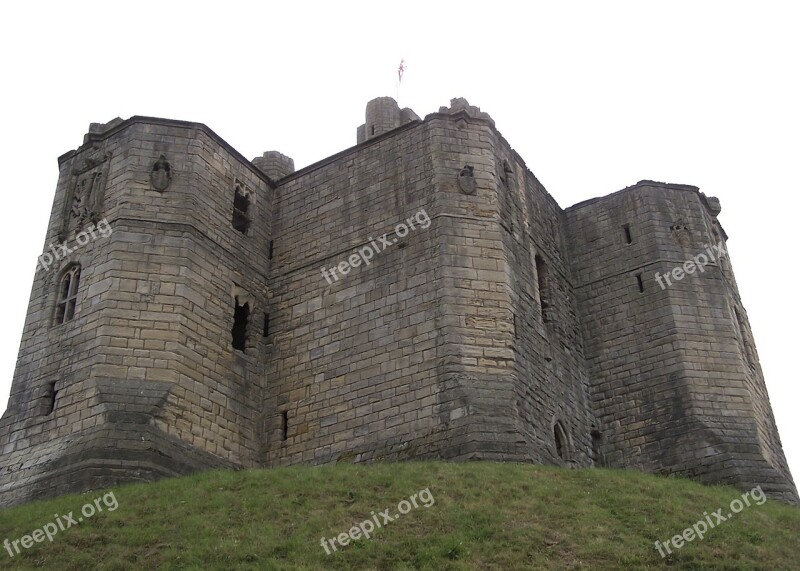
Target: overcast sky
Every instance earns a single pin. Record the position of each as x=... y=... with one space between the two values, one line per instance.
x=594 y=96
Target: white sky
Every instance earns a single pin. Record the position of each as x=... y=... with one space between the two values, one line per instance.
x=595 y=96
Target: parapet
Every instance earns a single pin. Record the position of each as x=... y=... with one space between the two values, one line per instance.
x=459 y=104
x=383 y=115
x=98 y=128
x=274 y=164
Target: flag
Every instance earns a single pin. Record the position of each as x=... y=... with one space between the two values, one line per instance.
x=400 y=70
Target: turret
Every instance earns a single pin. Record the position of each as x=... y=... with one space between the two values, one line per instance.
x=274 y=164
x=383 y=115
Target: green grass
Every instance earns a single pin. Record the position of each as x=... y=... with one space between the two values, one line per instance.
x=485 y=516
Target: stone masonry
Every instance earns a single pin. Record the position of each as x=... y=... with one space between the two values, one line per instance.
x=233 y=317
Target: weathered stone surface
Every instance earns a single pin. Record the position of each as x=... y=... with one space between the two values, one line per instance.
x=499 y=326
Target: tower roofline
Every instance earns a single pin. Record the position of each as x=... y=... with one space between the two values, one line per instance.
x=641 y=183
x=711 y=203
x=102 y=132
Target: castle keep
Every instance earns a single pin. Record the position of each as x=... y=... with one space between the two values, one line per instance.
x=201 y=332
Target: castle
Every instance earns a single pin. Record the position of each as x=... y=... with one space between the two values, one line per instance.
x=418 y=295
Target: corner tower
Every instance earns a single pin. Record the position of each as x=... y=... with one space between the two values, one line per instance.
x=676 y=383
x=126 y=369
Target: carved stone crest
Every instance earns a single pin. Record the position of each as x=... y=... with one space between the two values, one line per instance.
x=466 y=180
x=681 y=233
x=161 y=175
x=85 y=193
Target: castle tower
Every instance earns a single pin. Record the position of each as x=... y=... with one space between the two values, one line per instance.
x=437 y=347
x=517 y=364
x=383 y=115
x=676 y=383
x=126 y=369
x=274 y=164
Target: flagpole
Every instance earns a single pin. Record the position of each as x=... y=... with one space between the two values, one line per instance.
x=400 y=69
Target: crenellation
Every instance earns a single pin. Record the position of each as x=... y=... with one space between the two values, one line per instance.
x=241 y=313
x=274 y=164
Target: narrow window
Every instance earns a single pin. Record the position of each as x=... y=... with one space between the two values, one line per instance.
x=372 y=131
x=241 y=204
x=50 y=397
x=516 y=331
x=560 y=436
x=266 y=324
x=640 y=282
x=544 y=290
x=748 y=353
x=597 y=447
x=67 y=295
x=285 y=425
x=239 y=330
x=271 y=250
x=627 y=229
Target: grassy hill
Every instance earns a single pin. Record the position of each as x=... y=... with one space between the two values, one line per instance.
x=480 y=516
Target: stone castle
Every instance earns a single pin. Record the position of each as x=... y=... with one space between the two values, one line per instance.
x=231 y=318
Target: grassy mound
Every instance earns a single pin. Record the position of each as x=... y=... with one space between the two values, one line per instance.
x=479 y=516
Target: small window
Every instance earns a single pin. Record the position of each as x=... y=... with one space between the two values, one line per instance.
x=50 y=399
x=640 y=282
x=562 y=443
x=266 y=325
x=544 y=288
x=66 y=301
x=239 y=331
x=241 y=205
x=285 y=425
x=627 y=229
x=271 y=249
x=745 y=339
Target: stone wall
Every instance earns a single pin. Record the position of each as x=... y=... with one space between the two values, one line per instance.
x=355 y=351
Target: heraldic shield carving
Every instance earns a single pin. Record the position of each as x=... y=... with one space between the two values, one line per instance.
x=682 y=233
x=466 y=180
x=161 y=175
x=84 y=200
